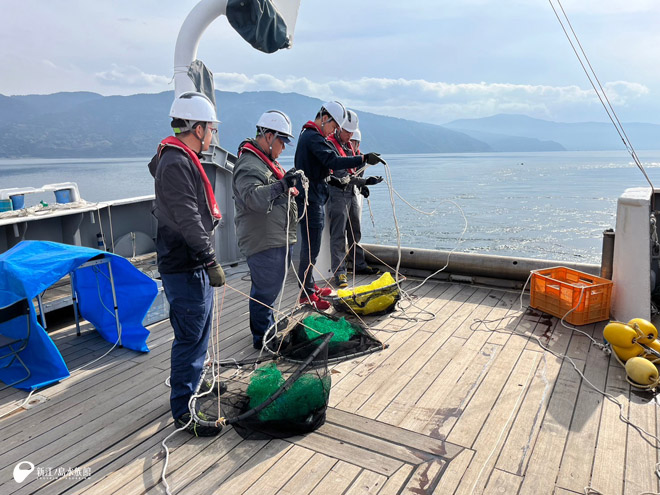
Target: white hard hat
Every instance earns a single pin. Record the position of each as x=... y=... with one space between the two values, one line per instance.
x=279 y=122
x=357 y=135
x=193 y=107
x=336 y=111
x=351 y=122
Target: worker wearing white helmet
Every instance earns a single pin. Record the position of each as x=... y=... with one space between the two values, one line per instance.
x=187 y=214
x=266 y=216
x=355 y=140
x=344 y=208
x=316 y=157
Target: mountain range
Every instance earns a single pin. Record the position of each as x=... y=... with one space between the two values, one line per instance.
x=89 y=125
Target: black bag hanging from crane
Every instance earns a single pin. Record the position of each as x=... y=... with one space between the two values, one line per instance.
x=259 y=23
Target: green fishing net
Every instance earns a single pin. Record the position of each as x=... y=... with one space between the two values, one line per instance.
x=317 y=324
x=307 y=394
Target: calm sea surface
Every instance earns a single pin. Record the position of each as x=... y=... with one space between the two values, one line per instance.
x=537 y=205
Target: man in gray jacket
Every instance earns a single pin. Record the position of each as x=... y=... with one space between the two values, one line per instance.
x=266 y=216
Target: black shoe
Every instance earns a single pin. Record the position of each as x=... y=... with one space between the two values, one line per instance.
x=273 y=343
x=206 y=386
x=196 y=429
x=367 y=270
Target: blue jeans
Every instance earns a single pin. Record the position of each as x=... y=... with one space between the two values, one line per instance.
x=311 y=242
x=267 y=273
x=191 y=313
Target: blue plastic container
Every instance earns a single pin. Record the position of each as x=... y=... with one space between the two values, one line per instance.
x=63 y=196
x=17 y=202
x=5 y=204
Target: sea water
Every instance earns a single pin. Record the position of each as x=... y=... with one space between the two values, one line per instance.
x=552 y=205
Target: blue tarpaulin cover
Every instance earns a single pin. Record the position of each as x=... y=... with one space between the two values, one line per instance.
x=31 y=267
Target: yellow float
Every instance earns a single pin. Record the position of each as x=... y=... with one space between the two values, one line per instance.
x=619 y=334
x=625 y=353
x=647 y=331
x=642 y=371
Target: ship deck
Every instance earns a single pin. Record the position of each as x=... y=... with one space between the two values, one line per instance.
x=447 y=408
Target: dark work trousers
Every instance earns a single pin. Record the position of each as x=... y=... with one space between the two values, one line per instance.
x=344 y=220
x=310 y=242
x=267 y=270
x=191 y=313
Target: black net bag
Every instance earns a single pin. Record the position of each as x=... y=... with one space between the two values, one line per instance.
x=301 y=329
x=271 y=396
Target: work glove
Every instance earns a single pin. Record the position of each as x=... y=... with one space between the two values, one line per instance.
x=216 y=274
x=358 y=182
x=371 y=158
x=337 y=182
x=371 y=181
x=291 y=178
x=364 y=190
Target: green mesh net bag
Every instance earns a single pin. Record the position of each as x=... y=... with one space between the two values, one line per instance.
x=306 y=395
x=271 y=395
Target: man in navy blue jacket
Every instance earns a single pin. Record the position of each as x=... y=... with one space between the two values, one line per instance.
x=317 y=158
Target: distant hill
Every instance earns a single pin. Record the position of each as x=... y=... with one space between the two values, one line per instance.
x=89 y=125
x=583 y=136
x=502 y=142
x=86 y=125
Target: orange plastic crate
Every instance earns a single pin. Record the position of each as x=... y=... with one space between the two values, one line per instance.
x=557 y=290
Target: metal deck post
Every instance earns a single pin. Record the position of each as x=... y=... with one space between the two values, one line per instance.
x=74 y=299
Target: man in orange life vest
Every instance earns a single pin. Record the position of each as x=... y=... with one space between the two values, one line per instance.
x=344 y=208
x=316 y=157
x=266 y=216
x=187 y=214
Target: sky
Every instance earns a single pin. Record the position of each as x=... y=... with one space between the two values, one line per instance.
x=430 y=61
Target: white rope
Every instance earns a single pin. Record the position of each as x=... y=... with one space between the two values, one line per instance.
x=27 y=399
x=191 y=401
x=97 y=271
x=265 y=340
x=640 y=430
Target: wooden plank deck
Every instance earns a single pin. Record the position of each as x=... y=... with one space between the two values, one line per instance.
x=447 y=408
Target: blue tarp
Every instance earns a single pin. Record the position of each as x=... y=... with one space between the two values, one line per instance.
x=31 y=267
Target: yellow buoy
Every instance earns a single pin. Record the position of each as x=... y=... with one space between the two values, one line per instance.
x=625 y=353
x=641 y=371
x=646 y=328
x=619 y=334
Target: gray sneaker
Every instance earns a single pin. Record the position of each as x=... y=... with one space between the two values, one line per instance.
x=341 y=281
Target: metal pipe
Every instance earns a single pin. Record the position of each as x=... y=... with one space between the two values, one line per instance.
x=185 y=51
x=607 y=257
x=471 y=264
x=114 y=301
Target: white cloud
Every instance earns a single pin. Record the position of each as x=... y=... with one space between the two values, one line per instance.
x=437 y=102
x=130 y=76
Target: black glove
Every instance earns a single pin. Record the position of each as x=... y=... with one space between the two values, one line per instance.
x=337 y=182
x=291 y=178
x=371 y=181
x=216 y=274
x=364 y=190
x=371 y=158
x=357 y=181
